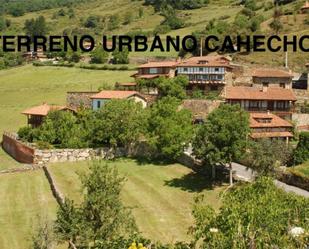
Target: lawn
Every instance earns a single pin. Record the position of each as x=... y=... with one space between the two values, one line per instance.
x=26 y=86
x=161 y=195
x=24 y=197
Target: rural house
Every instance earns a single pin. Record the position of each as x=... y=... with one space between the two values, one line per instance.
x=279 y=101
x=152 y=70
x=99 y=99
x=272 y=78
x=36 y=114
x=267 y=125
x=205 y=73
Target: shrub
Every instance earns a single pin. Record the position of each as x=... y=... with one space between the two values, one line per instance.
x=25 y=134
x=301 y=153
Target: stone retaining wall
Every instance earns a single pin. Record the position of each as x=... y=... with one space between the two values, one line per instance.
x=73 y=155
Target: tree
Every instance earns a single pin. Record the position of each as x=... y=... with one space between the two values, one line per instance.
x=169 y=129
x=43 y=237
x=172 y=87
x=98 y=56
x=264 y=155
x=276 y=24
x=92 y=22
x=36 y=27
x=121 y=57
x=119 y=123
x=101 y=220
x=253 y=215
x=301 y=153
x=223 y=136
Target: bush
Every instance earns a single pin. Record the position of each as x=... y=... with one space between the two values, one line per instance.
x=41 y=145
x=25 y=134
x=98 y=56
x=301 y=153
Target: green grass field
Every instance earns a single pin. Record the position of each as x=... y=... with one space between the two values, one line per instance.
x=27 y=86
x=24 y=199
x=161 y=195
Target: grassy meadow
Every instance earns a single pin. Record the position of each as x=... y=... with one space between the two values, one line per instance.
x=27 y=86
x=25 y=198
x=160 y=196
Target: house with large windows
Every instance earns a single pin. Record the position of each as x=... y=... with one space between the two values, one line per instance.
x=205 y=73
x=279 y=101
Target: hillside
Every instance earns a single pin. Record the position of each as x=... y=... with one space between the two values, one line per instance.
x=135 y=18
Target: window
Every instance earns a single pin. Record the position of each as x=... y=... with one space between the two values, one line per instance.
x=153 y=70
x=216 y=69
x=281 y=105
x=265 y=84
x=254 y=104
x=219 y=77
x=98 y=104
x=282 y=85
x=201 y=69
x=185 y=69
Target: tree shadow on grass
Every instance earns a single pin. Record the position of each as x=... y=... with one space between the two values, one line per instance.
x=196 y=182
x=153 y=161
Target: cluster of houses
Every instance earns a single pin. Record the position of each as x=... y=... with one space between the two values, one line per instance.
x=268 y=96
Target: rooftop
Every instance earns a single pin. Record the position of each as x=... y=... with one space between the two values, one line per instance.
x=271 y=73
x=44 y=109
x=267 y=120
x=114 y=94
x=158 y=64
x=252 y=93
x=202 y=61
x=305 y=6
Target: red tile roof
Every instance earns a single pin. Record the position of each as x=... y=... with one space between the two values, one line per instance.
x=211 y=61
x=114 y=94
x=43 y=110
x=271 y=73
x=158 y=64
x=275 y=121
x=252 y=93
x=271 y=134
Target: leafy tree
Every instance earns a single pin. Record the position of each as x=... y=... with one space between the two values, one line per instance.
x=264 y=155
x=36 y=27
x=276 y=24
x=169 y=130
x=119 y=123
x=99 y=56
x=257 y=215
x=121 y=57
x=44 y=236
x=60 y=129
x=92 y=22
x=223 y=136
x=101 y=220
x=172 y=87
x=301 y=153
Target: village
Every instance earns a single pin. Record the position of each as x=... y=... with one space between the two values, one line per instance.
x=272 y=96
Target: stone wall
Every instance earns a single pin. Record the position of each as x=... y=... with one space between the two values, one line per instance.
x=77 y=99
x=20 y=151
x=73 y=155
x=301 y=120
